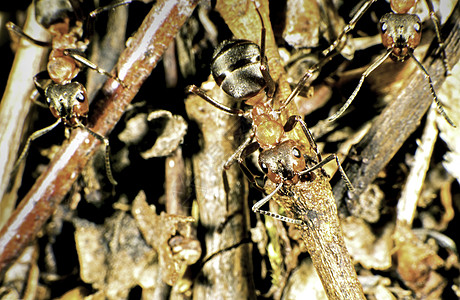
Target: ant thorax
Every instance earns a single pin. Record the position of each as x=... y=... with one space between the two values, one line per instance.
x=267 y=125
x=66 y=36
x=62 y=68
x=402 y=7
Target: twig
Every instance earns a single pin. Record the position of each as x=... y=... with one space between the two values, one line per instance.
x=222 y=205
x=313 y=203
x=176 y=184
x=143 y=52
x=16 y=103
x=407 y=204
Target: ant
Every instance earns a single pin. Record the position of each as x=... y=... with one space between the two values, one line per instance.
x=67 y=100
x=401 y=34
x=240 y=68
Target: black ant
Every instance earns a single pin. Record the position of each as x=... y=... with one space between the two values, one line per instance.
x=401 y=34
x=240 y=68
x=67 y=100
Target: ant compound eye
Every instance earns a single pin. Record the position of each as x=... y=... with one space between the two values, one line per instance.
x=80 y=97
x=384 y=27
x=417 y=26
x=264 y=168
x=296 y=152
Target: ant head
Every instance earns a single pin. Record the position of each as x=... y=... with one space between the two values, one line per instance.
x=400 y=32
x=236 y=68
x=69 y=102
x=283 y=163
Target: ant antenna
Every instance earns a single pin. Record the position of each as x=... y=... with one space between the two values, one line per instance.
x=31 y=138
x=433 y=93
x=366 y=73
x=342 y=172
x=256 y=208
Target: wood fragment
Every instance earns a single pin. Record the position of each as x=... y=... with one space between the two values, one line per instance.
x=222 y=202
x=16 y=103
x=407 y=204
x=313 y=203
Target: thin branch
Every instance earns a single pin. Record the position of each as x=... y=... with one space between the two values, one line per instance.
x=16 y=103
x=407 y=204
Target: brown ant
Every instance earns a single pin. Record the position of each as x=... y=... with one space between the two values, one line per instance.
x=240 y=68
x=401 y=34
x=67 y=100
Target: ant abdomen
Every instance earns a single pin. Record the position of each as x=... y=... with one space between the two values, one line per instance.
x=236 y=68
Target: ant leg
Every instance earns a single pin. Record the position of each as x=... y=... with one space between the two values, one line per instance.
x=84 y=61
x=34 y=98
x=108 y=168
x=249 y=149
x=433 y=93
x=242 y=152
x=300 y=85
x=99 y=10
x=41 y=81
x=292 y=121
x=349 y=27
x=32 y=137
x=251 y=177
x=18 y=31
x=325 y=161
x=256 y=208
x=200 y=92
x=263 y=60
x=366 y=73
x=437 y=26
x=306 y=80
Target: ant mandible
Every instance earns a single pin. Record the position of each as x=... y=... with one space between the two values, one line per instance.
x=401 y=34
x=240 y=68
x=67 y=100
